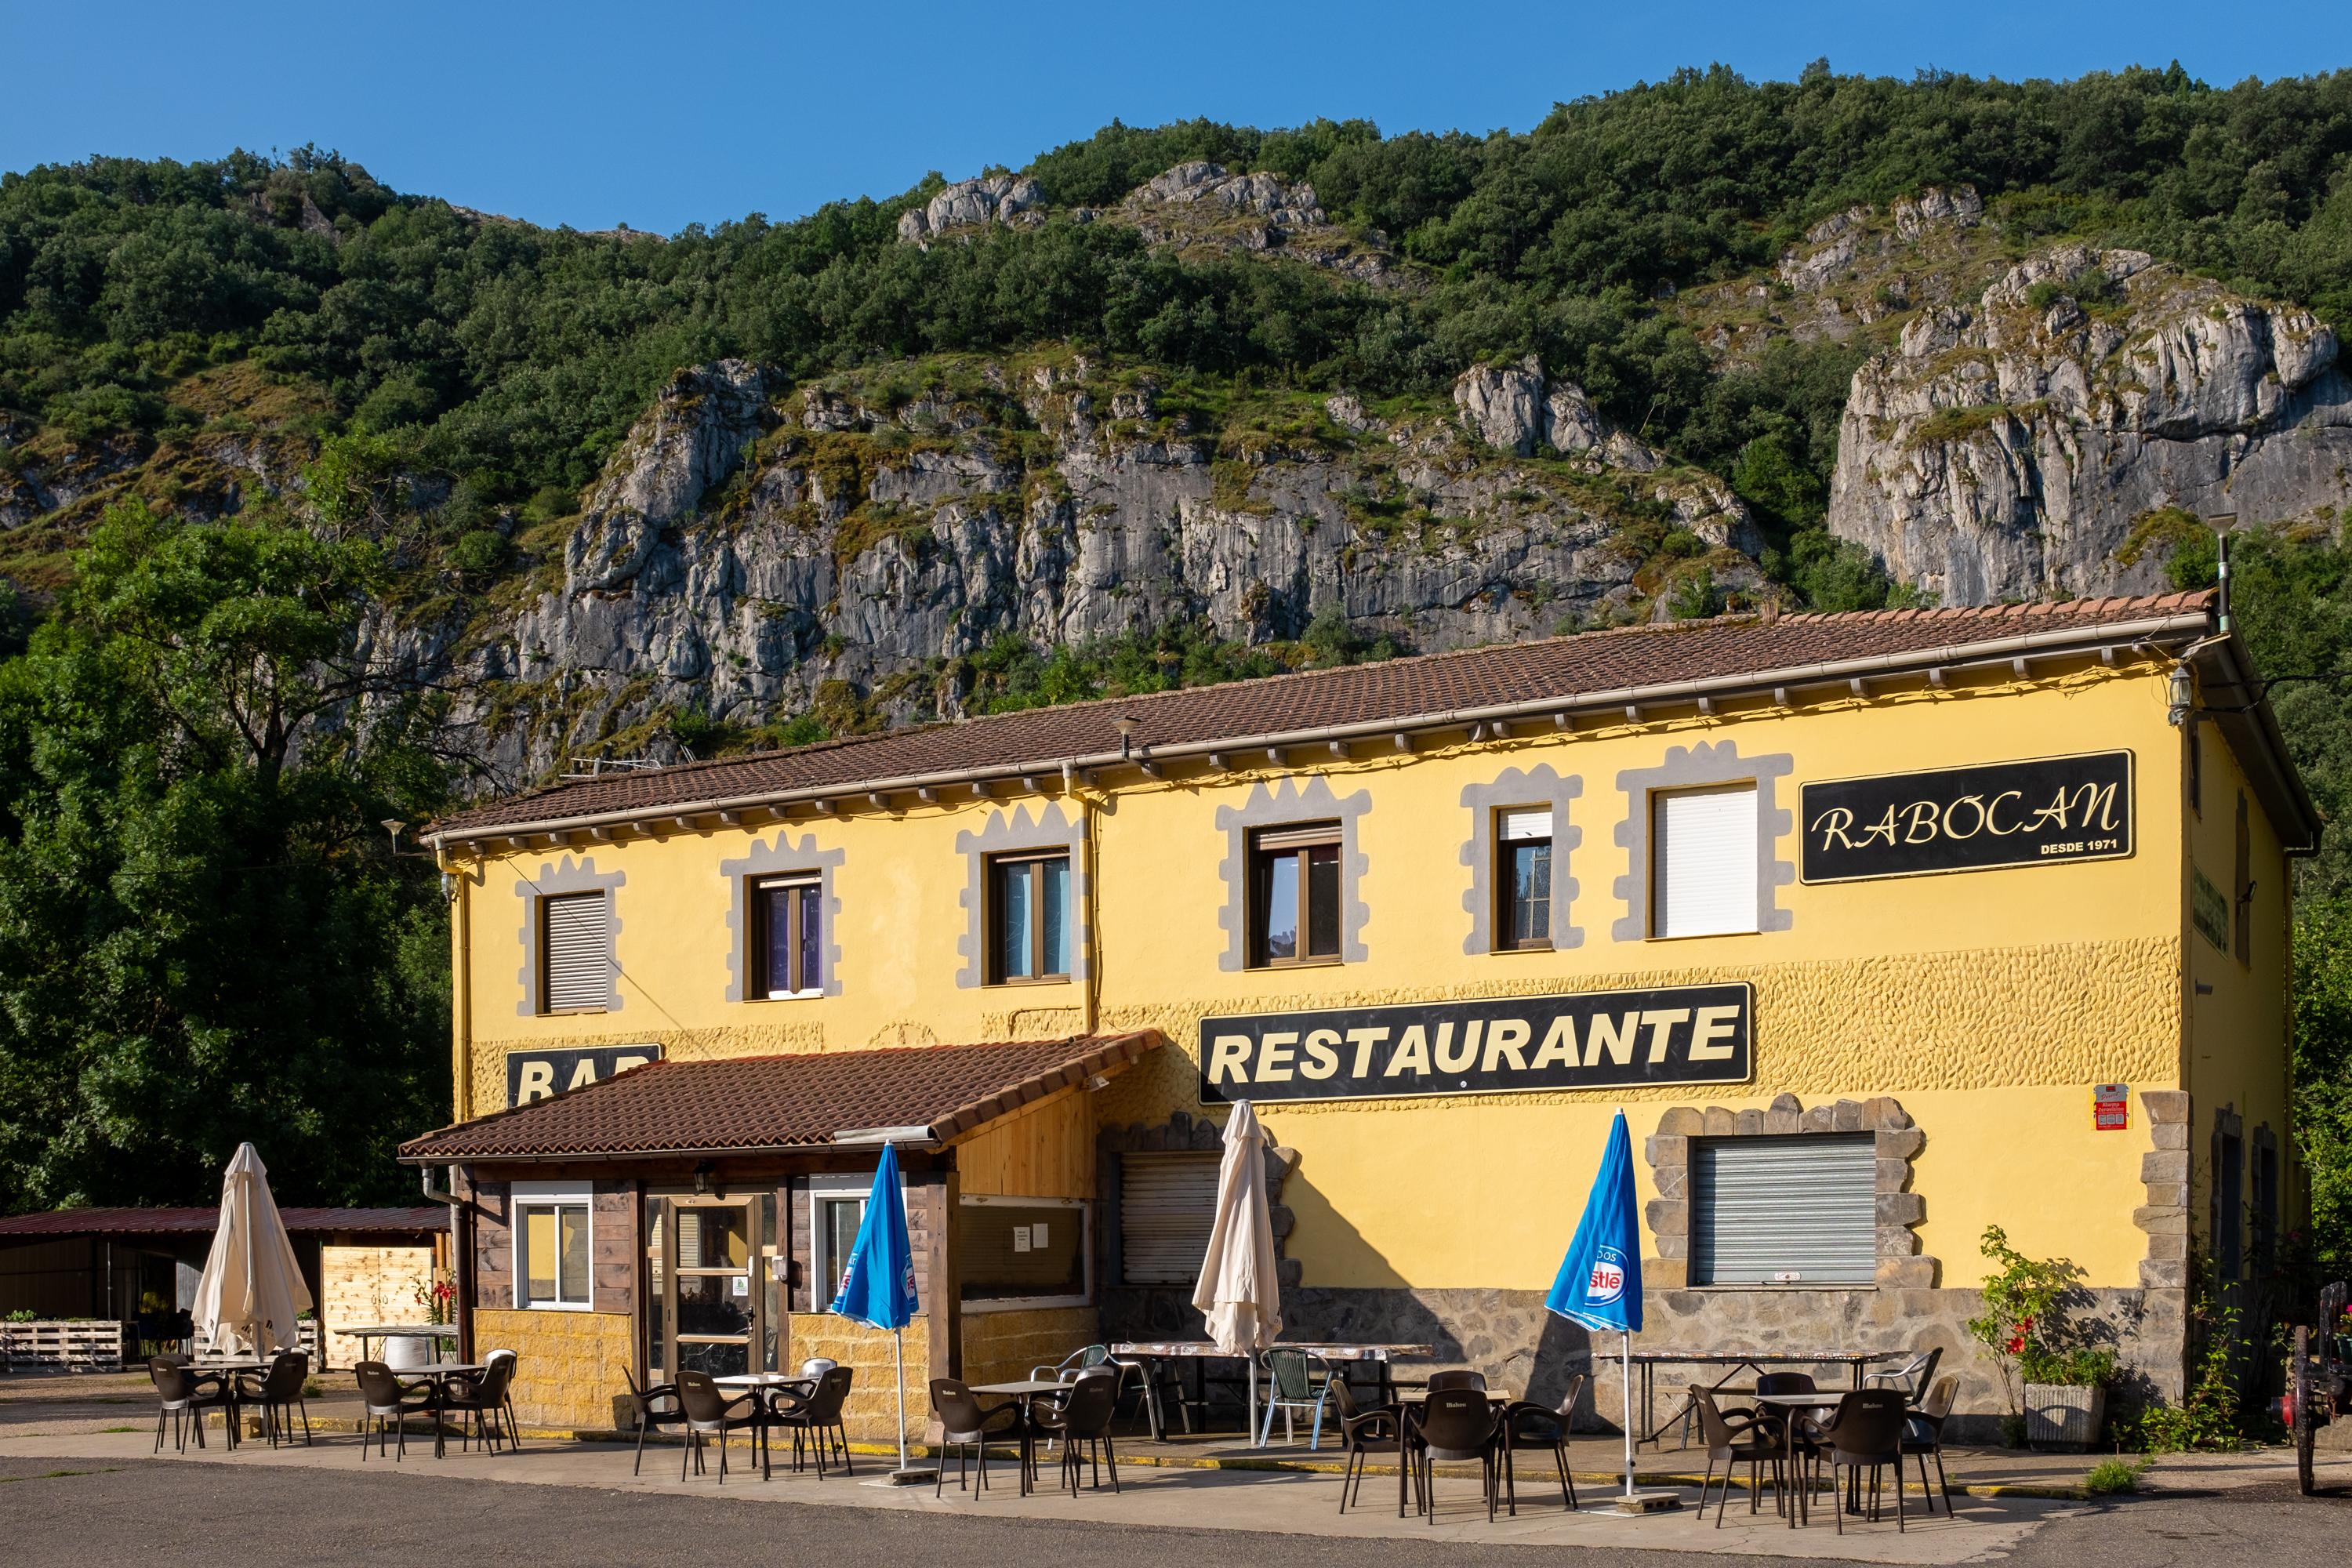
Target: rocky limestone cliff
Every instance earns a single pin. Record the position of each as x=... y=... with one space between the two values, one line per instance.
x=754 y=548
x=2018 y=446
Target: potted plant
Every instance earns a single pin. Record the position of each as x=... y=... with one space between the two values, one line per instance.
x=2056 y=1381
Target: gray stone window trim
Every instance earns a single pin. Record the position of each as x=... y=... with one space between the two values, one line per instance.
x=781 y=858
x=1516 y=788
x=1698 y=767
x=1901 y=1265
x=1291 y=800
x=566 y=876
x=1006 y=833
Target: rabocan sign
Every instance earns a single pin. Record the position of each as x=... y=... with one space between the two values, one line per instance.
x=542 y=1075
x=1969 y=819
x=1692 y=1034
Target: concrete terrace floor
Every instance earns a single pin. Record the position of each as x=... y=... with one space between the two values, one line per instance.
x=57 y=1434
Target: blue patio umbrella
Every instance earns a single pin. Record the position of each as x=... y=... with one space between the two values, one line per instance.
x=1600 y=1282
x=878 y=1285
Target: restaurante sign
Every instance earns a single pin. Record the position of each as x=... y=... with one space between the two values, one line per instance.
x=1693 y=1034
x=1967 y=819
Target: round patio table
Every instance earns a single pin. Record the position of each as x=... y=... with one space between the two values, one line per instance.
x=763 y=1387
x=1028 y=1391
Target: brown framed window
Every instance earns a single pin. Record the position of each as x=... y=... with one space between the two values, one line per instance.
x=1523 y=878
x=1295 y=895
x=575 y=952
x=1029 y=918
x=787 y=936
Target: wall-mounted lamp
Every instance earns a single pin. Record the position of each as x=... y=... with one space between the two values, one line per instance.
x=2181 y=709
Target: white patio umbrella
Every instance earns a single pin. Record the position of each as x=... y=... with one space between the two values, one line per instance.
x=252 y=1291
x=1238 y=1292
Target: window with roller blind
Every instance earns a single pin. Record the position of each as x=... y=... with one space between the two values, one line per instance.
x=1295 y=895
x=575 y=948
x=1703 y=862
x=1523 y=879
x=788 y=931
x=1784 y=1210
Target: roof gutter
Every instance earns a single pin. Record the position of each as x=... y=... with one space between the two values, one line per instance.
x=2072 y=640
x=587 y=1157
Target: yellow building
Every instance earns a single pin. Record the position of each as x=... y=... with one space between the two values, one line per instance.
x=1882 y=928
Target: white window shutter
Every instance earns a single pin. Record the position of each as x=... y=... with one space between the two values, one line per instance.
x=1518 y=824
x=578 y=963
x=1703 y=862
x=1784 y=1211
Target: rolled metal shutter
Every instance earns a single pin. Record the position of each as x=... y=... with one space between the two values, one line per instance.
x=1787 y=1210
x=578 y=963
x=1167 y=1202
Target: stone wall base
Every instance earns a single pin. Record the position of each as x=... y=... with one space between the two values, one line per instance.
x=1509 y=1336
x=568 y=1365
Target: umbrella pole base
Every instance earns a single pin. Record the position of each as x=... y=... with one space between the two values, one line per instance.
x=1648 y=1503
x=912 y=1476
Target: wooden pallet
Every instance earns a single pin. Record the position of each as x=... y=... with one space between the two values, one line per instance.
x=61 y=1346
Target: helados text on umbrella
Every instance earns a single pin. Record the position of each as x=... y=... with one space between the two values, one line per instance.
x=1697 y=1034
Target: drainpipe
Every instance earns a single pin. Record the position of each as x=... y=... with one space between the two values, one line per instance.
x=461 y=995
x=1090 y=993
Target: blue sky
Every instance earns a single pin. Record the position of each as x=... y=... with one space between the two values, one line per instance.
x=663 y=114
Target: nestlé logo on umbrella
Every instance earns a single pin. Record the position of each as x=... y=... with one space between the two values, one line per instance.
x=1608 y=1279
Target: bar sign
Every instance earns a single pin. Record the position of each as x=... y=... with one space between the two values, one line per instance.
x=2111 y=1107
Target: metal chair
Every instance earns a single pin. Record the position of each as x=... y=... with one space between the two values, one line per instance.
x=710 y=1412
x=1923 y=1434
x=1291 y=1389
x=1085 y=1416
x=184 y=1396
x=1530 y=1426
x=279 y=1393
x=1454 y=1425
x=1911 y=1378
x=386 y=1404
x=966 y=1423
x=1867 y=1432
x=657 y=1407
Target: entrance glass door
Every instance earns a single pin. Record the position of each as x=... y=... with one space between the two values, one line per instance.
x=710 y=1298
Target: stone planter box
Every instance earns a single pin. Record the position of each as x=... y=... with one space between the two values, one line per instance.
x=2062 y=1417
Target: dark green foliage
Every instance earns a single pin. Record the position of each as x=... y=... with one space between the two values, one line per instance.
x=200 y=943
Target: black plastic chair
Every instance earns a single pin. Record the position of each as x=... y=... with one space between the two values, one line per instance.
x=386 y=1404
x=1732 y=1439
x=815 y=1418
x=1366 y=1431
x=1084 y=1415
x=1453 y=1425
x=1865 y=1433
x=1923 y=1434
x=184 y=1396
x=709 y=1412
x=1530 y=1427
x=279 y=1394
x=970 y=1427
x=1439 y=1382
x=489 y=1401
x=657 y=1409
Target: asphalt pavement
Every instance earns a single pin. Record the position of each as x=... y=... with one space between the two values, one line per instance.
x=68 y=1513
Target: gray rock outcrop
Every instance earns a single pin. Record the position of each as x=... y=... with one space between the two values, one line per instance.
x=2009 y=448
x=751 y=549
x=973 y=203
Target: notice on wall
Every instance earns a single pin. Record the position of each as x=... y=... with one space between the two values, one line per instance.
x=2111 y=1107
x=1601 y=1039
x=2209 y=910
x=542 y=1075
x=2041 y=812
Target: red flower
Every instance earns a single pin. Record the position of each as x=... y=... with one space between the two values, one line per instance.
x=2017 y=1346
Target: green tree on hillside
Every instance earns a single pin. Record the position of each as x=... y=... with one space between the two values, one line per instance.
x=203 y=939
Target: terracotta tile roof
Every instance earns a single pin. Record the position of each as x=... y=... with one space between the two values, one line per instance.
x=1401 y=692
x=166 y=1221
x=743 y=1104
